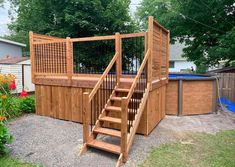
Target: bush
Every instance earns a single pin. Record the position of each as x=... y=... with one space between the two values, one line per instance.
x=5 y=138
x=202 y=69
x=232 y=63
x=27 y=104
x=8 y=107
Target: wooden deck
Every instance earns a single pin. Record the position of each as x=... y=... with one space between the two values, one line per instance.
x=115 y=102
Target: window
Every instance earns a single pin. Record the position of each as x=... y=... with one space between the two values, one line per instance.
x=171 y=64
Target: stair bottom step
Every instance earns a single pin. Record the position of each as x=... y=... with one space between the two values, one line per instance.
x=105 y=146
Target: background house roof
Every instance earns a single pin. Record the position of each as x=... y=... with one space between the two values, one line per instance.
x=176 y=51
x=12 y=42
x=223 y=70
x=13 y=60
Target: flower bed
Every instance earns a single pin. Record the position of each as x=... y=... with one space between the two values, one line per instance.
x=11 y=106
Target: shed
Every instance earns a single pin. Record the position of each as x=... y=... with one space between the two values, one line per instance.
x=21 y=68
x=10 y=48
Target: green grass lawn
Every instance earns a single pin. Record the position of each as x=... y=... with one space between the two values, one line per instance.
x=8 y=161
x=198 y=150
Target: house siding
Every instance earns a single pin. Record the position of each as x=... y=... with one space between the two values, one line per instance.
x=182 y=65
x=9 y=49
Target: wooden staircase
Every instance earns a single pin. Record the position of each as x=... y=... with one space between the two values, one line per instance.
x=120 y=116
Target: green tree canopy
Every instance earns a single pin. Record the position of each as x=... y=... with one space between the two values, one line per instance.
x=206 y=26
x=74 y=18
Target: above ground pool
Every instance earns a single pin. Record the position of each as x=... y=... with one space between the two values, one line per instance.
x=191 y=94
x=189 y=76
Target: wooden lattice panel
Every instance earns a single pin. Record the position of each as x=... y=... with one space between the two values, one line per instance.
x=160 y=51
x=50 y=58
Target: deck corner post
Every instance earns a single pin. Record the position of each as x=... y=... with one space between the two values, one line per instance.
x=119 y=60
x=124 y=122
x=32 y=56
x=69 y=59
x=150 y=47
x=85 y=115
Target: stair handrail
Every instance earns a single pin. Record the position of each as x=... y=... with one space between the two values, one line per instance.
x=124 y=110
x=138 y=76
x=109 y=67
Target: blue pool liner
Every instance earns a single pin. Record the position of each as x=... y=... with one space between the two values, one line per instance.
x=186 y=76
x=228 y=104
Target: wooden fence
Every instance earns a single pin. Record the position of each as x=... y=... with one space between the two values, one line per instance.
x=227 y=85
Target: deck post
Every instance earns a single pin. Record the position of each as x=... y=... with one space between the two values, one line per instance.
x=32 y=56
x=119 y=60
x=150 y=47
x=124 y=123
x=85 y=116
x=167 y=56
x=69 y=59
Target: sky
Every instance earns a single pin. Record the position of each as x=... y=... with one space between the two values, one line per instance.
x=4 y=19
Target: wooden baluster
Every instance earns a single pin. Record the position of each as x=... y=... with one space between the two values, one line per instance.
x=124 y=123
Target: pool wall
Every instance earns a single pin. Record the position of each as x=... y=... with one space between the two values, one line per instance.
x=189 y=94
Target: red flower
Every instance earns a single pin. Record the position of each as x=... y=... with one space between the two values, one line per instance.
x=12 y=85
x=23 y=94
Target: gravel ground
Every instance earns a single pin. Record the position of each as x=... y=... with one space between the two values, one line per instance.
x=56 y=143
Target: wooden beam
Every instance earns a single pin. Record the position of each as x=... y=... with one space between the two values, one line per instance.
x=96 y=38
x=160 y=55
x=124 y=124
x=150 y=47
x=168 y=56
x=85 y=116
x=119 y=59
x=69 y=59
x=132 y=35
x=32 y=56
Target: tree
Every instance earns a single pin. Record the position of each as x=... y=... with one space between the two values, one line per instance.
x=1 y=3
x=206 y=26
x=74 y=18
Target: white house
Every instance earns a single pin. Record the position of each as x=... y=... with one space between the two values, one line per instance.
x=20 y=67
x=177 y=62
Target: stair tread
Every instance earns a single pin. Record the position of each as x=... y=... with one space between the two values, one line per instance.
x=120 y=98
x=106 y=131
x=122 y=90
x=111 y=119
x=113 y=108
x=105 y=146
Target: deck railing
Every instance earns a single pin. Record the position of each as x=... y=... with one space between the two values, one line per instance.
x=88 y=55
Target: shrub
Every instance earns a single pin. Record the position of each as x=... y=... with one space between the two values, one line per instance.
x=232 y=63
x=8 y=107
x=27 y=104
x=5 y=138
x=202 y=69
